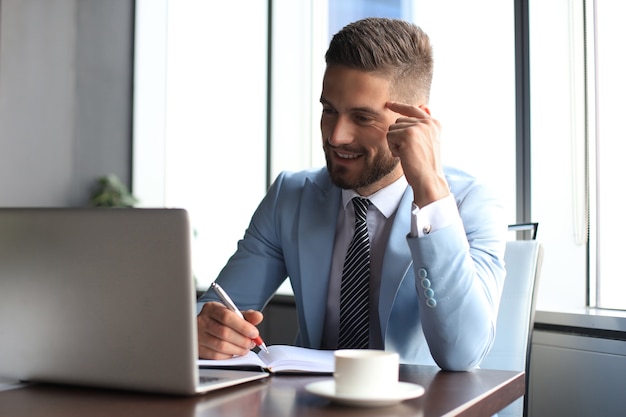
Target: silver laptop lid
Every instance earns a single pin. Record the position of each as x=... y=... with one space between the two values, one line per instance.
x=101 y=297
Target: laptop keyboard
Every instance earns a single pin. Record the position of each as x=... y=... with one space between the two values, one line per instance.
x=209 y=379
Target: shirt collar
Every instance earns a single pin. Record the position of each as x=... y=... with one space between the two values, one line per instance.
x=386 y=199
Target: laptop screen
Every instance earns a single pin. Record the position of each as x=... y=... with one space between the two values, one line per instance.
x=101 y=297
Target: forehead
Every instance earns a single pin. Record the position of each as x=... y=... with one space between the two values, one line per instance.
x=348 y=87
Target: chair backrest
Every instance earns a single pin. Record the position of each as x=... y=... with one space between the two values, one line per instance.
x=516 y=316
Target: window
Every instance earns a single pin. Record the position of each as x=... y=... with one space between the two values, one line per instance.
x=342 y=12
x=200 y=115
x=558 y=150
x=203 y=124
x=607 y=88
x=473 y=92
x=577 y=95
x=200 y=118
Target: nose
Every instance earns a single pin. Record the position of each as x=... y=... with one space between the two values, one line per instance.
x=339 y=131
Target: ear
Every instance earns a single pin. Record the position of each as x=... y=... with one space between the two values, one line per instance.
x=425 y=108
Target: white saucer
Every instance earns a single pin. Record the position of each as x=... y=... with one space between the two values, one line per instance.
x=403 y=391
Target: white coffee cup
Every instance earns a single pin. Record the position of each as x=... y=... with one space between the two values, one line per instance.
x=365 y=372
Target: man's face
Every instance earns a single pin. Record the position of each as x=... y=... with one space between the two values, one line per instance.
x=354 y=128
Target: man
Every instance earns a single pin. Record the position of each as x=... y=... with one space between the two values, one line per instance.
x=434 y=240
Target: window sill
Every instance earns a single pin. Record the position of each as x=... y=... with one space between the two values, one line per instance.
x=585 y=321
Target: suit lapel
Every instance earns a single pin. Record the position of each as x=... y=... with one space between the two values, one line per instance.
x=316 y=236
x=397 y=260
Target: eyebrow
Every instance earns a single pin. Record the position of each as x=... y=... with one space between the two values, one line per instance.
x=364 y=109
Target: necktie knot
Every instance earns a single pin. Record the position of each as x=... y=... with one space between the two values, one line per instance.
x=360 y=208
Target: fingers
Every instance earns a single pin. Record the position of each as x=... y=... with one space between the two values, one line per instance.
x=415 y=129
x=413 y=117
x=253 y=317
x=223 y=334
x=414 y=138
x=408 y=110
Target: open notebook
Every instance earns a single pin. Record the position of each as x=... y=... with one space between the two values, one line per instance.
x=101 y=297
x=280 y=359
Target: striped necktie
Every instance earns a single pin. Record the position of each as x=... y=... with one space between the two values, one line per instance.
x=354 y=295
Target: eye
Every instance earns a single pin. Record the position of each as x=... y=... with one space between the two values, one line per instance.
x=328 y=111
x=363 y=119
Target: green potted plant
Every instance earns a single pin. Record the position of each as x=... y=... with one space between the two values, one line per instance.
x=111 y=192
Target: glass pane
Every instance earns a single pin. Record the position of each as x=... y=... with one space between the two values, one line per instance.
x=611 y=148
x=558 y=157
x=473 y=92
x=216 y=123
x=342 y=12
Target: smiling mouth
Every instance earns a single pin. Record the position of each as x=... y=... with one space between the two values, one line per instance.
x=347 y=155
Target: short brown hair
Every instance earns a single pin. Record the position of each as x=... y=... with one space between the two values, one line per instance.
x=392 y=48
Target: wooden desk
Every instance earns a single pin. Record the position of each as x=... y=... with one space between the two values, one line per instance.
x=476 y=393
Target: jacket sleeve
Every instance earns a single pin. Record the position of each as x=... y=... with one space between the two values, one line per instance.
x=459 y=275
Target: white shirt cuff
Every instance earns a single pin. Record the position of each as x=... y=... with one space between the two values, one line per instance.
x=434 y=216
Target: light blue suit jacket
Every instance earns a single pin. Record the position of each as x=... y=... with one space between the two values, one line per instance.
x=439 y=293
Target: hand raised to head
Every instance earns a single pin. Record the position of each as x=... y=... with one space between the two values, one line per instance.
x=415 y=139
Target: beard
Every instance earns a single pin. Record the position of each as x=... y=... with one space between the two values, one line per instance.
x=374 y=169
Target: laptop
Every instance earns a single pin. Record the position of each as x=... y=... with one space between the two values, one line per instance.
x=102 y=297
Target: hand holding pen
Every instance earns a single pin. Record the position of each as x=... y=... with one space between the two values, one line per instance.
x=228 y=302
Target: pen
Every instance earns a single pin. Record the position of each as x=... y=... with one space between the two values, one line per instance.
x=232 y=307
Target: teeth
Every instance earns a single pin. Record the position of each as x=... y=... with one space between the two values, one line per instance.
x=347 y=156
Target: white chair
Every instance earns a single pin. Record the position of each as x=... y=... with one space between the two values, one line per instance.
x=511 y=349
